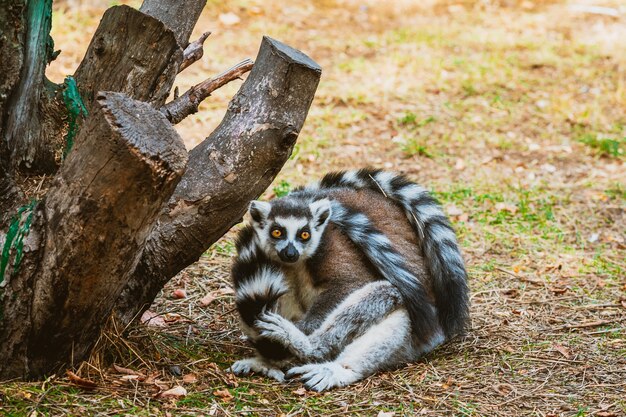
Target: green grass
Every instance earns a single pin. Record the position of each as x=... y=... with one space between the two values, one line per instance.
x=416 y=146
x=282 y=188
x=614 y=148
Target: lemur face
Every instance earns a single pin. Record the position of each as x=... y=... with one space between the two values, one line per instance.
x=289 y=230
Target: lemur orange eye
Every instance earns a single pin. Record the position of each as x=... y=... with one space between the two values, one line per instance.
x=276 y=233
x=305 y=235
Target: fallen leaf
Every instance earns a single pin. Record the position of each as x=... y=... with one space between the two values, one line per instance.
x=126 y=371
x=162 y=385
x=150 y=318
x=176 y=392
x=511 y=292
x=179 y=293
x=299 y=391
x=207 y=299
x=255 y=10
x=190 y=378
x=504 y=389
x=558 y=290
x=224 y=395
x=172 y=317
x=129 y=377
x=448 y=383
x=562 y=350
x=81 y=382
x=386 y=414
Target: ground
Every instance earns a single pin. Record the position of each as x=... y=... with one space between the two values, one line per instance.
x=513 y=113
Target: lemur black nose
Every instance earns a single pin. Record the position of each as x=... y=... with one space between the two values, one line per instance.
x=289 y=254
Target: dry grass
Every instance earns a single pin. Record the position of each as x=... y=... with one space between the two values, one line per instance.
x=512 y=112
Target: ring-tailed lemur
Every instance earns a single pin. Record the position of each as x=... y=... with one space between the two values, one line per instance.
x=356 y=273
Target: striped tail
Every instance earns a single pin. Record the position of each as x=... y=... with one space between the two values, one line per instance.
x=392 y=266
x=258 y=281
x=438 y=241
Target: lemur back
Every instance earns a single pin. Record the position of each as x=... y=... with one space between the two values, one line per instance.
x=317 y=254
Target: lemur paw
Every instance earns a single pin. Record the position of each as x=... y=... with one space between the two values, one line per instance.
x=257 y=365
x=276 y=327
x=323 y=376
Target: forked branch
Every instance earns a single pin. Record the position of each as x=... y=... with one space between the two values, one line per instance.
x=176 y=110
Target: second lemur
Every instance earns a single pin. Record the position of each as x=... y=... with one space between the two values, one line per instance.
x=357 y=273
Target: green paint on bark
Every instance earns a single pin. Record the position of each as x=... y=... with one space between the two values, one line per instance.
x=75 y=108
x=18 y=229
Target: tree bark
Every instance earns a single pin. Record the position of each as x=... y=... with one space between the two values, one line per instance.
x=131 y=53
x=12 y=22
x=87 y=235
x=178 y=15
x=29 y=127
x=10 y=196
x=234 y=165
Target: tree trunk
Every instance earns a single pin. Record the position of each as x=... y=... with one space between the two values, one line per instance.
x=116 y=224
x=29 y=127
x=234 y=165
x=101 y=205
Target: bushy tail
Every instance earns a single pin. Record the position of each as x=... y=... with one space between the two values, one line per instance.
x=257 y=280
x=392 y=266
x=438 y=241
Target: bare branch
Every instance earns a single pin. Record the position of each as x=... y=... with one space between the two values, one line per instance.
x=188 y=103
x=194 y=51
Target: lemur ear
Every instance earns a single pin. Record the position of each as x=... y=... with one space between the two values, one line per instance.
x=321 y=211
x=259 y=210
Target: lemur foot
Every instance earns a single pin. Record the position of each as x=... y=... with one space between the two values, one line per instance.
x=323 y=376
x=257 y=365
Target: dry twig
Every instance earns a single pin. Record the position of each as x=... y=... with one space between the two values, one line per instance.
x=194 y=51
x=188 y=103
